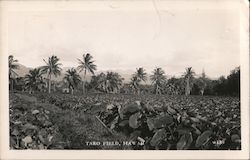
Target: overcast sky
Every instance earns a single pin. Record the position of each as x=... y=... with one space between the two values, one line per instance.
x=127 y=39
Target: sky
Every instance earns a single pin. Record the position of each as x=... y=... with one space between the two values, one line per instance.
x=119 y=39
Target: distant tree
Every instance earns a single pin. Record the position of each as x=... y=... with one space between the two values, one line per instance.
x=220 y=87
x=188 y=76
x=134 y=84
x=109 y=83
x=175 y=86
x=72 y=78
x=20 y=84
x=141 y=74
x=98 y=82
x=12 y=67
x=113 y=82
x=233 y=82
x=52 y=67
x=33 y=80
x=137 y=77
x=86 y=65
x=227 y=86
x=201 y=82
x=158 y=79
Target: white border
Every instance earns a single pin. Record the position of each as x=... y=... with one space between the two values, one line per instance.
x=8 y=6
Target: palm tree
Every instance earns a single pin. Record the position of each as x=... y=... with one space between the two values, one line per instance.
x=141 y=74
x=73 y=79
x=138 y=76
x=52 y=67
x=113 y=82
x=202 y=82
x=86 y=65
x=158 y=79
x=134 y=83
x=33 y=80
x=109 y=83
x=188 y=76
x=98 y=82
x=12 y=67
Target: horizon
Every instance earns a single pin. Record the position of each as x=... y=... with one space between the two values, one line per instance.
x=130 y=72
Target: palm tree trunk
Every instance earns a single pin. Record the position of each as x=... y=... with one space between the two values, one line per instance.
x=30 y=91
x=10 y=81
x=72 y=90
x=83 y=82
x=49 y=82
x=54 y=87
x=138 y=90
x=157 y=89
x=202 y=92
x=187 y=91
x=12 y=84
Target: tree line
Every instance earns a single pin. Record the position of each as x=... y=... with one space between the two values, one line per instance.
x=40 y=79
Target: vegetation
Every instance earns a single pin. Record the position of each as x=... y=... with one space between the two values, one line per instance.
x=72 y=78
x=158 y=79
x=202 y=82
x=12 y=67
x=188 y=76
x=62 y=121
x=52 y=67
x=112 y=82
x=34 y=80
x=162 y=115
x=138 y=76
x=108 y=83
x=86 y=65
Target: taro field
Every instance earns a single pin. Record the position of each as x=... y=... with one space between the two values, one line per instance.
x=124 y=122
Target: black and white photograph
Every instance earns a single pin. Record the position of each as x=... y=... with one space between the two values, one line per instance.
x=126 y=75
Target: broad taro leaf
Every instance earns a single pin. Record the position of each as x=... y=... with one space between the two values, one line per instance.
x=29 y=126
x=185 y=141
x=150 y=122
x=27 y=140
x=203 y=138
x=35 y=111
x=196 y=130
x=194 y=120
x=123 y=123
x=129 y=110
x=134 y=135
x=110 y=106
x=163 y=121
x=171 y=110
x=114 y=122
x=159 y=122
x=134 y=120
x=158 y=137
x=235 y=138
x=15 y=132
x=183 y=129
